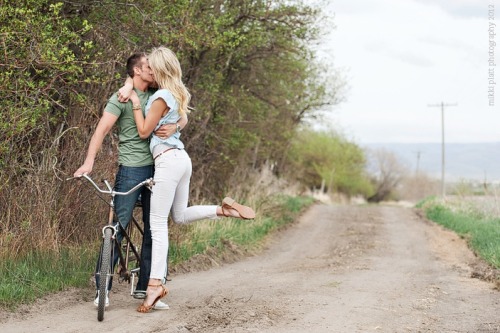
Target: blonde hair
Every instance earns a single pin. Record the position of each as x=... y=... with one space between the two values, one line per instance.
x=168 y=74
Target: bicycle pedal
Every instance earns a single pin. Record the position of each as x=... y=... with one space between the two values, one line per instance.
x=139 y=294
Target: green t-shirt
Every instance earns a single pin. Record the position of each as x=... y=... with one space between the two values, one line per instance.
x=132 y=150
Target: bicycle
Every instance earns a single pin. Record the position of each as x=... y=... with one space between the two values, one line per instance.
x=105 y=267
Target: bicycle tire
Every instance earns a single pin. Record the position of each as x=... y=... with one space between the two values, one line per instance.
x=104 y=272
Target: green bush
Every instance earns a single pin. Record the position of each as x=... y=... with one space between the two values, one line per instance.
x=328 y=158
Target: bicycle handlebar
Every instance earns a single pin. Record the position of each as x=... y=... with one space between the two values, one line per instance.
x=148 y=183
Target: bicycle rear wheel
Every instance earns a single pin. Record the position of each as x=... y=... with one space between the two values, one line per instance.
x=104 y=272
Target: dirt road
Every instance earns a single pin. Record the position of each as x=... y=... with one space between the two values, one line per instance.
x=340 y=269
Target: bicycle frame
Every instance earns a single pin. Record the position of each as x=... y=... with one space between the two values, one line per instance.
x=125 y=252
x=105 y=267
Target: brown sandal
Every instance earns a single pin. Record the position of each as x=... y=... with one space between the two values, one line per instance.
x=245 y=212
x=146 y=308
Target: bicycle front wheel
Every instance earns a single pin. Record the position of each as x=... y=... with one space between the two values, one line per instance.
x=104 y=272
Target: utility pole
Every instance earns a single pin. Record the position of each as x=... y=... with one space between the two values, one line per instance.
x=442 y=106
x=418 y=163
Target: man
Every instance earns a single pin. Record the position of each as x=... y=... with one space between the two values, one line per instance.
x=135 y=160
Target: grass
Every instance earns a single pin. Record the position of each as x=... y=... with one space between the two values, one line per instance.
x=36 y=274
x=24 y=279
x=480 y=228
x=205 y=235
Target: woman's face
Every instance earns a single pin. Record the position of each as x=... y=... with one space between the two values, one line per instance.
x=153 y=74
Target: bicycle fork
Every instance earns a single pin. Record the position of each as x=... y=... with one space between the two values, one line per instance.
x=107 y=245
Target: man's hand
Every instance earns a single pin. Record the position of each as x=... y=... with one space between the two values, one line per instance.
x=166 y=130
x=83 y=170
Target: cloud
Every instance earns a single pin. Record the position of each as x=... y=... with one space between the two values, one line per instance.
x=461 y=8
x=412 y=57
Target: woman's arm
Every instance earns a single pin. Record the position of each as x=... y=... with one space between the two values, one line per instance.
x=146 y=126
x=125 y=91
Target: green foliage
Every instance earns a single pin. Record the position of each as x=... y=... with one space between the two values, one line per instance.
x=317 y=157
x=42 y=63
x=247 y=64
x=36 y=274
x=482 y=232
x=39 y=273
x=426 y=201
x=205 y=236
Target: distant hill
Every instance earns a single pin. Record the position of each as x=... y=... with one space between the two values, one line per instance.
x=463 y=161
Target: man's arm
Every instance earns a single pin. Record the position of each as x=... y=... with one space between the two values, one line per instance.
x=167 y=130
x=105 y=124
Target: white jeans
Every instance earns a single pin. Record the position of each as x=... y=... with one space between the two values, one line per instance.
x=170 y=194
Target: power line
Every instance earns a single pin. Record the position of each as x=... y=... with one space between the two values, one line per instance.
x=442 y=105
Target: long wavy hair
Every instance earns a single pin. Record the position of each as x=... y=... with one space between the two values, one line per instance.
x=168 y=74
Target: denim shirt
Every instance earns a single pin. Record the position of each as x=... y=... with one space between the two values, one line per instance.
x=170 y=118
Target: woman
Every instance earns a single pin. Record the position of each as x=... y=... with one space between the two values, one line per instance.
x=172 y=167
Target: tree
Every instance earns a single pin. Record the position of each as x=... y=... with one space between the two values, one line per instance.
x=327 y=157
x=42 y=63
x=247 y=64
x=43 y=58
x=387 y=172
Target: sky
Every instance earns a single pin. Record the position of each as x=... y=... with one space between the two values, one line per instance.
x=398 y=57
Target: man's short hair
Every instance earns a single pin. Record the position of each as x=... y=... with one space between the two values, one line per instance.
x=134 y=61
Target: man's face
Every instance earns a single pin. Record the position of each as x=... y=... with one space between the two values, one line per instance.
x=145 y=72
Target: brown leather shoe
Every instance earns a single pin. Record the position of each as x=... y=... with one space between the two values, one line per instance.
x=245 y=212
x=143 y=308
